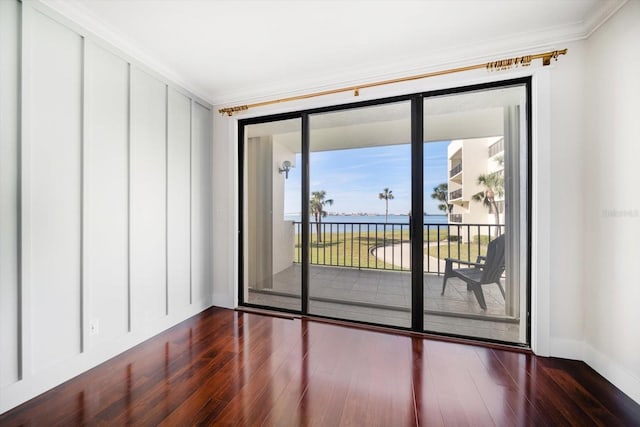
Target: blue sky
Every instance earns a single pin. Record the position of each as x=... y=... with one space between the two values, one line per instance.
x=354 y=178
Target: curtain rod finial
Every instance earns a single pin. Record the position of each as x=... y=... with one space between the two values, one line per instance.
x=546 y=59
x=230 y=110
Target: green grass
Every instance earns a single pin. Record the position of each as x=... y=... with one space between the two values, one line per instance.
x=463 y=251
x=353 y=249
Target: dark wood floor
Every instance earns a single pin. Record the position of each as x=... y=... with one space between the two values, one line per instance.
x=230 y=368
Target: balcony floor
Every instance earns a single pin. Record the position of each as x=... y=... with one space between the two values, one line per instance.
x=384 y=297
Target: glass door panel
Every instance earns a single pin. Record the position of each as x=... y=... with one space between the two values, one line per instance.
x=475 y=224
x=271 y=214
x=360 y=201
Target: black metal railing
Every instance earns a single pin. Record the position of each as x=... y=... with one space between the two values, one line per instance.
x=387 y=246
x=455 y=194
x=455 y=170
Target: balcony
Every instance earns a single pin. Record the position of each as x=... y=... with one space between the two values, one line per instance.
x=496 y=148
x=361 y=271
x=457 y=194
x=455 y=170
x=457 y=218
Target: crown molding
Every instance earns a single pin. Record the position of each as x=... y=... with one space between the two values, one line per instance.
x=601 y=14
x=481 y=51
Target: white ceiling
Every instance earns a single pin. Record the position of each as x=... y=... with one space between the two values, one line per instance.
x=228 y=51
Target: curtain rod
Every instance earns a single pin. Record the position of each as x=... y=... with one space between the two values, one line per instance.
x=502 y=64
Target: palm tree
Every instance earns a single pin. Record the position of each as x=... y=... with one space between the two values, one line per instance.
x=316 y=207
x=441 y=194
x=386 y=195
x=493 y=184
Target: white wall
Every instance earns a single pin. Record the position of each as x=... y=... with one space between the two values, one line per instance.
x=106 y=184
x=225 y=212
x=611 y=148
x=147 y=185
x=106 y=202
x=593 y=217
x=563 y=184
x=202 y=173
x=283 y=231
x=9 y=129
x=51 y=192
x=179 y=200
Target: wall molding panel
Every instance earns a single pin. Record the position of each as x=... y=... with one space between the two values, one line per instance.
x=106 y=182
x=10 y=363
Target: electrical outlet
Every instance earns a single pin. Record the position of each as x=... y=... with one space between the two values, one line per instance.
x=94 y=327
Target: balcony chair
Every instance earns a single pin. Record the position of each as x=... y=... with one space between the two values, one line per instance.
x=486 y=270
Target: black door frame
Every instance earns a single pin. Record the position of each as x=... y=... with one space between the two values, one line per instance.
x=417 y=198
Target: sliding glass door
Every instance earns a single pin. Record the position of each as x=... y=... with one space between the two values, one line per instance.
x=475 y=270
x=410 y=212
x=271 y=179
x=360 y=203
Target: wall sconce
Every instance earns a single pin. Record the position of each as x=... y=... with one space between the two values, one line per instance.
x=286 y=167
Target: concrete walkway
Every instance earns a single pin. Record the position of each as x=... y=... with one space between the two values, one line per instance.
x=400 y=256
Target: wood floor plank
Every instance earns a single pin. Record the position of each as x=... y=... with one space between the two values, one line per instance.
x=242 y=369
x=425 y=391
x=498 y=387
x=459 y=398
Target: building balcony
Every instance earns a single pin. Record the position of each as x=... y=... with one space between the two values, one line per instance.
x=496 y=148
x=456 y=194
x=457 y=218
x=455 y=170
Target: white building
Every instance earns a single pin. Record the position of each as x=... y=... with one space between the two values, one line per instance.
x=467 y=160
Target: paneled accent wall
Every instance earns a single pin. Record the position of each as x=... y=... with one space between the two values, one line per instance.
x=201 y=202
x=9 y=170
x=148 y=184
x=105 y=188
x=179 y=201
x=51 y=191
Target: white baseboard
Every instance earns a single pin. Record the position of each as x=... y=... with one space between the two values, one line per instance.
x=617 y=374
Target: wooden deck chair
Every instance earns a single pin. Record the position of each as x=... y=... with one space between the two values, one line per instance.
x=486 y=270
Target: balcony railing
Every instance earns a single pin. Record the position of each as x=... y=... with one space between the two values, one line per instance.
x=455 y=170
x=497 y=147
x=388 y=246
x=455 y=218
x=500 y=204
x=457 y=194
